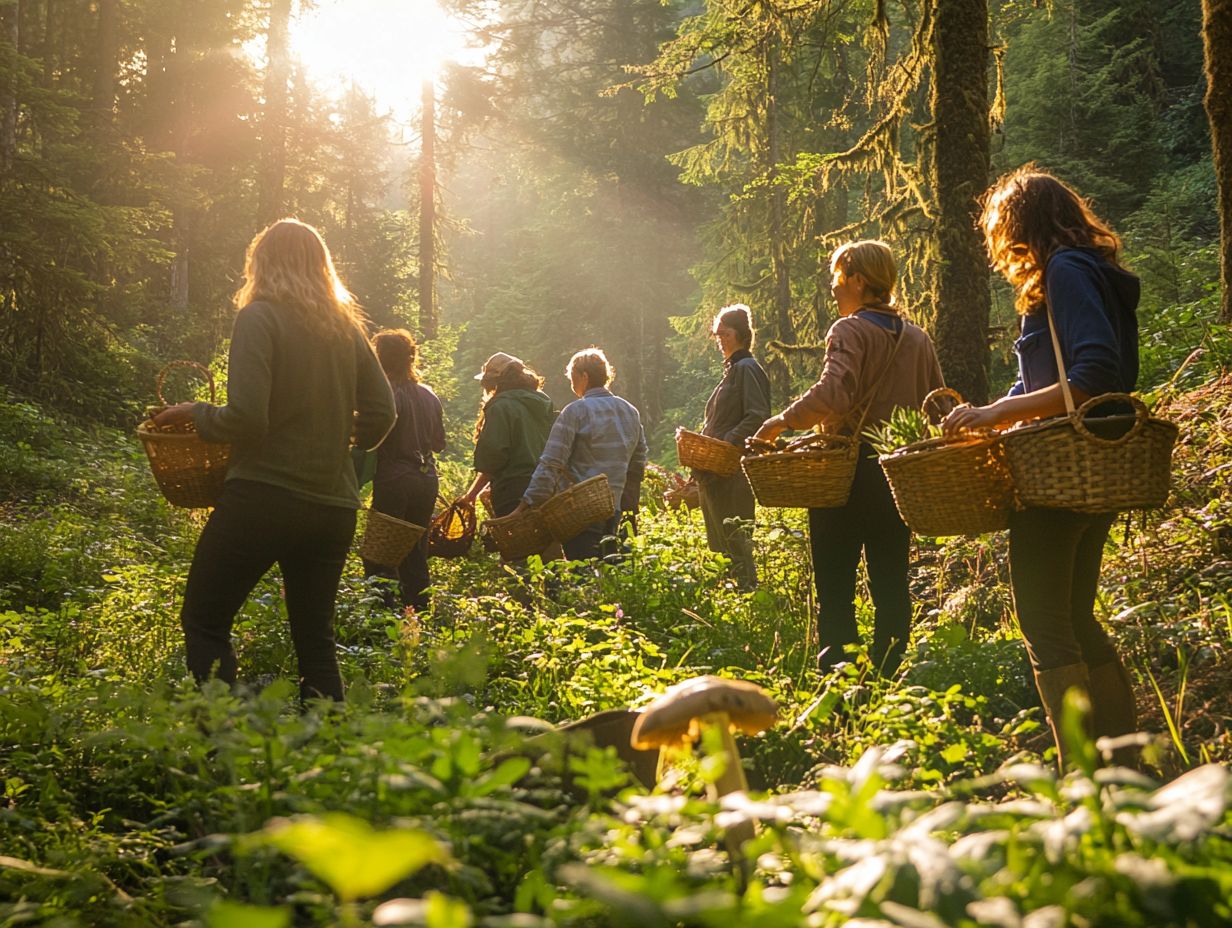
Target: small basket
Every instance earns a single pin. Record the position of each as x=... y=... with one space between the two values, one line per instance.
x=387 y=541
x=190 y=472
x=1062 y=464
x=701 y=452
x=452 y=530
x=814 y=472
x=682 y=494
x=583 y=504
x=518 y=536
x=951 y=486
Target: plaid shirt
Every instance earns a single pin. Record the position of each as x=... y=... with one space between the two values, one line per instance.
x=598 y=434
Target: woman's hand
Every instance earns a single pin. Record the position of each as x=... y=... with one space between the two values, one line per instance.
x=964 y=418
x=520 y=508
x=174 y=415
x=771 y=429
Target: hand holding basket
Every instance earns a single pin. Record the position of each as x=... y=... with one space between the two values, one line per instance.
x=190 y=472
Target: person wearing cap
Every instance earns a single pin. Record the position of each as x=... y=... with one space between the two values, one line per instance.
x=598 y=433
x=735 y=410
x=515 y=417
x=406 y=483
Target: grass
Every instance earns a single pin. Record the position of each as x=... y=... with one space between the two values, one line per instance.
x=133 y=798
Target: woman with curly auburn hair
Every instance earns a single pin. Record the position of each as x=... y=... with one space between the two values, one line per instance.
x=1056 y=253
x=302 y=382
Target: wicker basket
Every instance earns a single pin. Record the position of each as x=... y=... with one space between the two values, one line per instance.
x=518 y=536
x=952 y=486
x=190 y=472
x=812 y=473
x=701 y=452
x=387 y=541
x=1062 y=464
x=583 y=504
x=452 y=530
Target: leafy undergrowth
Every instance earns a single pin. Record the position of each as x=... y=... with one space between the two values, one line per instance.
x=133 y=798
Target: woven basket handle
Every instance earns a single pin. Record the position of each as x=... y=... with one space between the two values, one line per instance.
x=940 y=393
x=200 y=368
x=1141 y=415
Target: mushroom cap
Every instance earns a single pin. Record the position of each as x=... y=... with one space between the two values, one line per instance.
x=673 y=717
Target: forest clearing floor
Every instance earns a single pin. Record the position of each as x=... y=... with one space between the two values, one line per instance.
x=133 y=798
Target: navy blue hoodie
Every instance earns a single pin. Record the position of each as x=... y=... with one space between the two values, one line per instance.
x=1095 y=306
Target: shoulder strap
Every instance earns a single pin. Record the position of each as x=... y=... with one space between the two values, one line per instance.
x=871 y=394
x=1062 y=374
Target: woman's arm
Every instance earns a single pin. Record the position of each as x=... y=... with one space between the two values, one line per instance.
x=245 y=417
x=1038 y=404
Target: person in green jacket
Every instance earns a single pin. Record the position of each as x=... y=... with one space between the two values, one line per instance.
x=515 y=418
x=302 y=385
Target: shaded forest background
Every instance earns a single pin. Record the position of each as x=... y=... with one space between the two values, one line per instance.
x=613 y=173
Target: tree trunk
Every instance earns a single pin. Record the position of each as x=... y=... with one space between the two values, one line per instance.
x=959 y=174
x=785 y=331
x=10 y=39
x=107 y=52
x=1217 y=45
x=270 y=205
x=427 y=215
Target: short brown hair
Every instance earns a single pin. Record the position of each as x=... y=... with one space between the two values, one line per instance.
x=738 y=318
x=594 y=363
x=874 y=261
x=1028 y=215
x=397 y=352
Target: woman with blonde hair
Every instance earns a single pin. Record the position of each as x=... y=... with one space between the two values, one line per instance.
x=1059 y=256
x=302 y=383
x=405 y=484
x=875 y=361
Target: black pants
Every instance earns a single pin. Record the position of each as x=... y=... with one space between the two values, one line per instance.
x=869 y=523
x=255 y=526
x=1055 y=558
x=410 y=498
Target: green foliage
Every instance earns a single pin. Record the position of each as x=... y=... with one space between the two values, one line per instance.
x=904 y=427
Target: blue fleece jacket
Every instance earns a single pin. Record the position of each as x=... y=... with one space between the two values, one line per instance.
x=1094 y=304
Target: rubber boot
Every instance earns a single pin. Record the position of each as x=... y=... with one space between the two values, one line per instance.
x=1053 y=685
x=1113 y=709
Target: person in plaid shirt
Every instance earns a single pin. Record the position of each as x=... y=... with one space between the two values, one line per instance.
x=598 y=433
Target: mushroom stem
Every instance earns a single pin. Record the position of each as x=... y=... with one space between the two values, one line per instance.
x=732 y=780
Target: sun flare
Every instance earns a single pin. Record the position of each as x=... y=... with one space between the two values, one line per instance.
x=387 y=47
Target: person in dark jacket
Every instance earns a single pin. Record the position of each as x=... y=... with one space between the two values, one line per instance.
x=737 y=407
x=301 y=382
x=1046 y=241
x=406 y=483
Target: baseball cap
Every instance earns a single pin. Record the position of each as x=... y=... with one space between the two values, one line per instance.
x=497 y=364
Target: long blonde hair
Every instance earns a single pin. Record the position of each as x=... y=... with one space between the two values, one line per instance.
x=289 y=264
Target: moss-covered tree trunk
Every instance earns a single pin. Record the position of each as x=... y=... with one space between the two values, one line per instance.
x=959 y=169
x=1217 y=42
